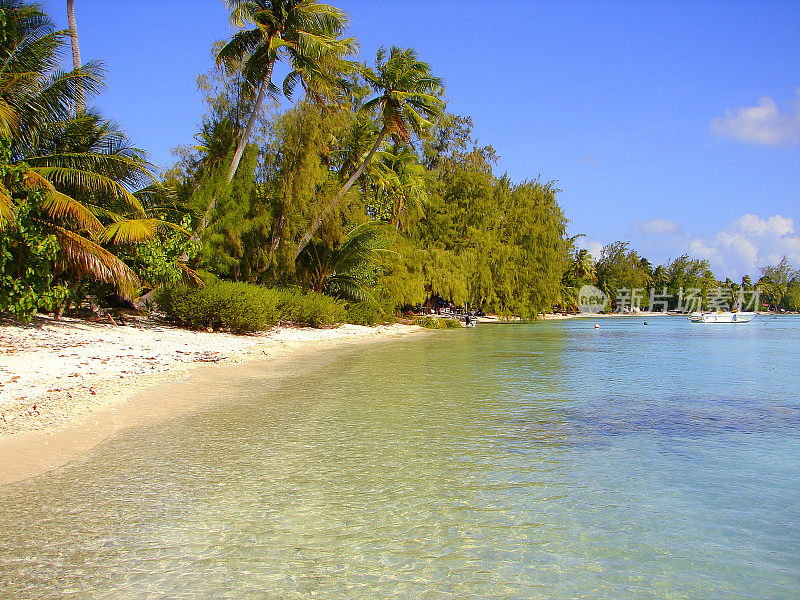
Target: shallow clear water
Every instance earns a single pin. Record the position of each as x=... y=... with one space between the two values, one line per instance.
x=549 y=460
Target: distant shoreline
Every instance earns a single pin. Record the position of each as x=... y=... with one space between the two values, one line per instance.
x=65 y=386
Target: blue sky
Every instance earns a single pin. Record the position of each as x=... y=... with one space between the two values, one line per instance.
x=673 y=125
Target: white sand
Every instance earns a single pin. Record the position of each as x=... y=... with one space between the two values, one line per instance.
x=56 y=374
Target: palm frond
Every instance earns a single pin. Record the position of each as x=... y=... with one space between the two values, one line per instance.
x=190 y=276
x=348 y=287
x=61 y=207
x=133 y=231
x=89 y=259
x=129 y=231
x=89 y=182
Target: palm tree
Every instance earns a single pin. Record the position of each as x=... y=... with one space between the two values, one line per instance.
x=76 y=50
x=70 y=175
x=343 y=270
x=305 y=32
x=400 y=186
x=88 y=158
x=33 y=90
x=409 y=95
x=582 y=267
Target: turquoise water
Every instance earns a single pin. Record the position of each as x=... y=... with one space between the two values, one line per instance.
x=551 y=460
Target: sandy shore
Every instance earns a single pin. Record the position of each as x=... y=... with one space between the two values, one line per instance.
x=67 y=385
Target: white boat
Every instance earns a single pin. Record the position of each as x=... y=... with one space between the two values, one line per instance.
x=721 y=317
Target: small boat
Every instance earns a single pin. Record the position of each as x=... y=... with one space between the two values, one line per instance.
x=721 y=317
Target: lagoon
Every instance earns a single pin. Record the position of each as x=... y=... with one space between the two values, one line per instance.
x=549 y=460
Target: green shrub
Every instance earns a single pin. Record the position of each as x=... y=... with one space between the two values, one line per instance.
x=367 y=313
x=240 y=307
x=436 y=323
x=310 y=308
x=236 y=307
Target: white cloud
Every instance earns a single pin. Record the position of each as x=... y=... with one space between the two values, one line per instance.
x=754 y=225
x=594 y=247
x=761 y=125
x=657 y=227
x=748 y=243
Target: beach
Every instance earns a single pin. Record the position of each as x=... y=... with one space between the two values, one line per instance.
x=66 y=385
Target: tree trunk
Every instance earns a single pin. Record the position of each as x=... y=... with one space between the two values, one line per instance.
x=278 y=230
x=317 y=222
x=237 y=155
x=76 y=53
x=61 y=309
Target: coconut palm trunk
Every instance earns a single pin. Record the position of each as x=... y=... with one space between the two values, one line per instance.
x=318 y=220
x=76 y=52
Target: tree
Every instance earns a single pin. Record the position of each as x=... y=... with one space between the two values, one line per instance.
x=400 y=187
x=305 y=32
x=775 y=280
x=620 y=268
x=76 y=50
x=33 y=91
x=66 y=182
x=581 y=267
x=345 y=269
x=409 y=95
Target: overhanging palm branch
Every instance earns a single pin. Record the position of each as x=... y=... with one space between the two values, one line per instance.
x=61 y=207
x=90 y=157
x=89 y=182
x=133 y=231
x=89 y=259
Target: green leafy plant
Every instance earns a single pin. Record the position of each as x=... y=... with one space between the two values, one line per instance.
x=437 y=323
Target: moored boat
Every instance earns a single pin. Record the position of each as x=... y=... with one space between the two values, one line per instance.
x=721 y=317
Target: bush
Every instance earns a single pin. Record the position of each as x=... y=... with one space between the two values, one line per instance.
x=236 y=307
x=241 y=307
x=310 y=308
x=367 y=313
x=436 y=323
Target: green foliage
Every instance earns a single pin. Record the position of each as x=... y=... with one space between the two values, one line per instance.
x=310 y=308
x=368 y=313
x=223 y=246
x=778 y=285
x=620 y=267
x=236 y=307
x=489 y=242
x=242 y=307
x=437 y=323
x=157 y=261
x=27 y=257
x=347 y=268
x=793 y=296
